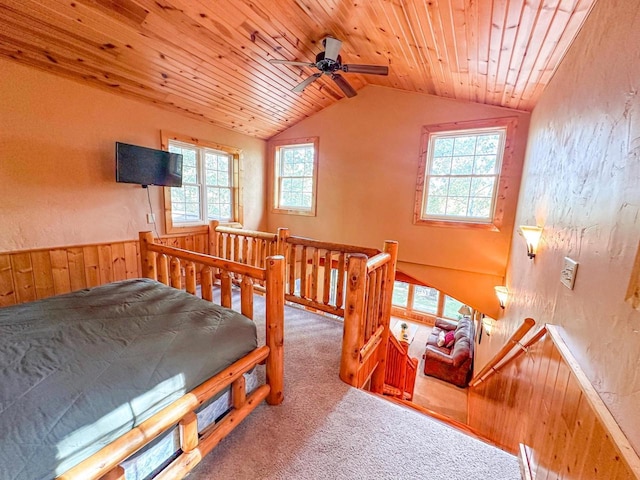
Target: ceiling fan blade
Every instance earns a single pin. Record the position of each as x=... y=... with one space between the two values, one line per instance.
x=305 y=83
x=344 y=85
x=276 y=61
x=332 y=48
x=368 y=69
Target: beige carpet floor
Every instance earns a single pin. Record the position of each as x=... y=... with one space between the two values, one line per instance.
x=325 y=429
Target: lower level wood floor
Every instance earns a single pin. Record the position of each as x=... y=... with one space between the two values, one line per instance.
x=431 y=393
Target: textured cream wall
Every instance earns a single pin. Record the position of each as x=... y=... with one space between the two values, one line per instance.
x=582 y=182
x=57 y=164
x=368 y=163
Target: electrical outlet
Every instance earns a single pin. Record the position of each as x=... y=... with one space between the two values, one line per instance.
x=151 y=218
x=568 y=273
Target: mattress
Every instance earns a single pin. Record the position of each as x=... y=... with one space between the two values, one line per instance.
x=81 y=369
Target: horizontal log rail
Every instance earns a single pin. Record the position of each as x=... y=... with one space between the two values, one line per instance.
x=371 y=344
x=513 y=341
x=338 y=247
x=602 y=412
x=377 y=261
x=203 y=259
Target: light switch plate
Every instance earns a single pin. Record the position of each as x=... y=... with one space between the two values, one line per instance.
x=568 y=273
x=151 y=218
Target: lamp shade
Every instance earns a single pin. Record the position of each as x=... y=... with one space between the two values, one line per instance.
x=464 y=311
x=532 y=237
x=502 y=293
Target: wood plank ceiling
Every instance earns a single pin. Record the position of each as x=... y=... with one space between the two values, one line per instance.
x=209 y=58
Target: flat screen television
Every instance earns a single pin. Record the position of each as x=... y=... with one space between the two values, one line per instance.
x=147 y=166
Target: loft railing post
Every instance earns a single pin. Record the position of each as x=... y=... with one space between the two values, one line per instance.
x=213 y=237
x=275 y=328
x=353 y=335
x=377 y=379
x=283 y=235
x=147 y=257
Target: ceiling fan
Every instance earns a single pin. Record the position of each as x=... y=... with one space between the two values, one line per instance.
x=329 y=62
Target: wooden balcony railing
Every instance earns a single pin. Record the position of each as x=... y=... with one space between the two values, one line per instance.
x=355 y=283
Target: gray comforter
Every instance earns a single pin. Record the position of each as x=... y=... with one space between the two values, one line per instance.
x=81 y=369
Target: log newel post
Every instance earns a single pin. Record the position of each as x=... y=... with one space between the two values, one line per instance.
x=275 y=328
x=213 y=237
x=353 y=334
x=377 y=379
x=283 y=235
x=147 y=257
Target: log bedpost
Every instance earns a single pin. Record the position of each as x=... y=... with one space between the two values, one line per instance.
x=147 y=257
x=275 y=328
x=213 y=238
x=353 y=335
x=377 y=379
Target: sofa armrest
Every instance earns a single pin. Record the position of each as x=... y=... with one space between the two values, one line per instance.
x=446 y=324
x=434 y=354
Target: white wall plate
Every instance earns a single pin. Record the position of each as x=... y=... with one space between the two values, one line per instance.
x=568 y=273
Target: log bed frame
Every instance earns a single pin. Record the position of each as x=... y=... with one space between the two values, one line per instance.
x=167 y=265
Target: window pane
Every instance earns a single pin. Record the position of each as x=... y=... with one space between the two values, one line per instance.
x=441 y=166
x=451 y=307
x=457 y=206
x=437 y=206
x=479 y=207
x=443 y=147
x=485 y=165
x=438 y=186
x=189 y=174
x=482 y=186
x=400 y=294
x=487 y=144
x=465 y=145
x=425 y=299
x=459 y=187
x=462 y=165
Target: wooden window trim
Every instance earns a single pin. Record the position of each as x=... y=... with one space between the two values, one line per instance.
x=510 y=124
x=273 y=148
x=237 y=190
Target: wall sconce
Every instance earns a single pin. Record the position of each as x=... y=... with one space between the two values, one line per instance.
x=532 y=237
x=502 y=293
x=465 y=311
x=487 y=325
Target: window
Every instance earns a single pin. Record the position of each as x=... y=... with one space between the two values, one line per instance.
x=295 y=170
x=400 y=295
x=425 y=299
x=451 y=307
x=460 y=171
x=418 y=301
x=210 y=184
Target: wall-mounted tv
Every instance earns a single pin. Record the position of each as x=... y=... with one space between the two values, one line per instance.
x=147 y=166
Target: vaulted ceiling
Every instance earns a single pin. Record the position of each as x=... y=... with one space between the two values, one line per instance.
x=209 y=58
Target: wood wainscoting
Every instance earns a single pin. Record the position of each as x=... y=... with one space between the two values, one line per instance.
x=543 y=400
x=34 y=274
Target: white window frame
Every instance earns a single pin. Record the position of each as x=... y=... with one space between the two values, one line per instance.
x=506 y=126
x=202 y=147
x=276 y=148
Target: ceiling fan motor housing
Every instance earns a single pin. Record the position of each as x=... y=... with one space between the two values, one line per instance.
x=328 y=65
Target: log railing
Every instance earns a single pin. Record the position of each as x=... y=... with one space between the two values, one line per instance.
x=492 y=367
x=355 y=283
x=316 y=271
x=366 y=320
x=401 y=369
